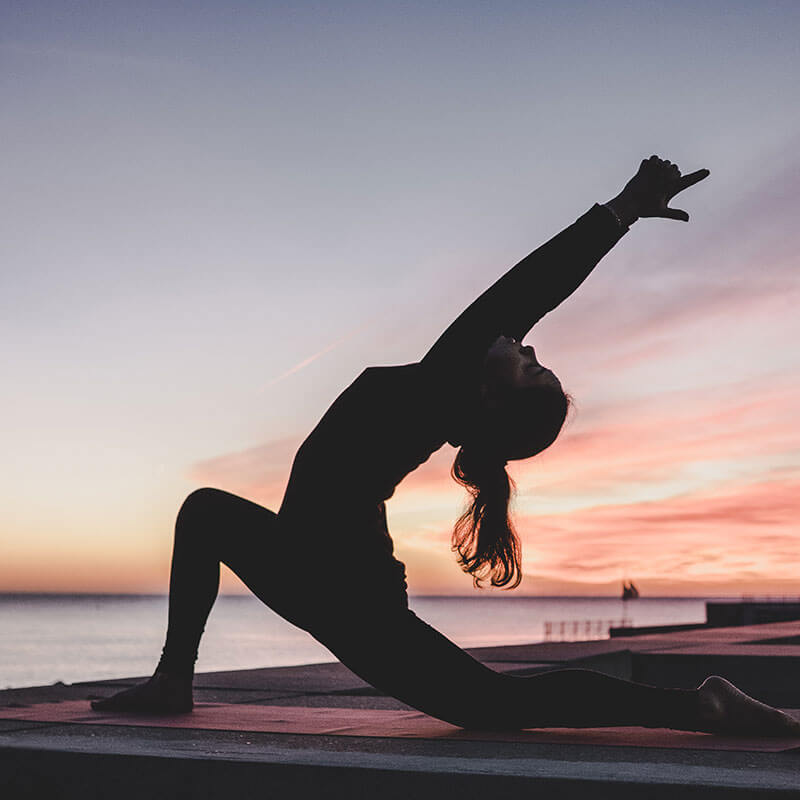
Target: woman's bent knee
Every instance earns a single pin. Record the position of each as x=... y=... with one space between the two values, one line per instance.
x=198 y=506
x=205 y=512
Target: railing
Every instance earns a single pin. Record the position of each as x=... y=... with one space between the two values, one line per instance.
x=572 y=630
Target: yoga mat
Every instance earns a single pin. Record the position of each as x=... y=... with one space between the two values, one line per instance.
x=384 y=724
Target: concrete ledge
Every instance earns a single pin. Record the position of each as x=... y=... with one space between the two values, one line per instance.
x=630 y=630
x=771 y=679
x=58 y=774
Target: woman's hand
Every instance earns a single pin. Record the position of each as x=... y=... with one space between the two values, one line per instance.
x=649 y=191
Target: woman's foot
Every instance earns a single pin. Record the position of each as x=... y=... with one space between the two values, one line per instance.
x=161 y=694
x=726 y=710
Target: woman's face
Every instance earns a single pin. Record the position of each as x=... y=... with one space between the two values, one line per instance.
x=509 y=365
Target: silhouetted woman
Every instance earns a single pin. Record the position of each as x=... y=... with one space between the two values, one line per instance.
x=325 y=560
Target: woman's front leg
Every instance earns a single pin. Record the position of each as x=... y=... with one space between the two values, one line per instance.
x=212 y=527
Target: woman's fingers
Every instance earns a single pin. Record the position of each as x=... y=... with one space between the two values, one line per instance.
x=691 y=179
x=680 y=183
x=674 y=213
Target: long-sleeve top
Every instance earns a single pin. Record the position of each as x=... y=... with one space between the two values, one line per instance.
x=391 y=419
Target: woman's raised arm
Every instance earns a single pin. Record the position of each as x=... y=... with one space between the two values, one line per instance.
x=521 y=297
x=552 y=272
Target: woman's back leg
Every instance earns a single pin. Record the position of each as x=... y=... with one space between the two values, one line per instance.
x=400 y=654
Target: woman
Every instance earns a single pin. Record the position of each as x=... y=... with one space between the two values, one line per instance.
x=325 y=560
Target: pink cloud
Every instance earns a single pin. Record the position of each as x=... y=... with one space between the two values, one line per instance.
x=750 y=531
x=735 y=541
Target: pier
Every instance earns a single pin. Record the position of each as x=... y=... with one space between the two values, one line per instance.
x=319 y=731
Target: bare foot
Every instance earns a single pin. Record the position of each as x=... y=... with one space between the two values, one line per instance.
x=729 y=711
x=161 y=694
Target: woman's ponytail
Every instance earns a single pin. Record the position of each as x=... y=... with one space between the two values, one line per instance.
x=483 y=537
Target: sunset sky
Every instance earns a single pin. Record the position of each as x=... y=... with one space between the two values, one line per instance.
x=215 y=215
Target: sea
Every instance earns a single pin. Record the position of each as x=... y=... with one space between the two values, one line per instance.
x=47 y=639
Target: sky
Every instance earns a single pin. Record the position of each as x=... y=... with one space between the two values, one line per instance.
x=215 y=215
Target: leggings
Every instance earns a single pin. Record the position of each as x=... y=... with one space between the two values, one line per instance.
x=387 y=645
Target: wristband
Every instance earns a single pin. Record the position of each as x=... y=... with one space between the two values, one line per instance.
x=616 y=216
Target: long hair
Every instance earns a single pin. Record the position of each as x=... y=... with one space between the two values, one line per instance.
x=484 y=537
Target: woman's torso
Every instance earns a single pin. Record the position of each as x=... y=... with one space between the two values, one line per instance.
x=380 y=428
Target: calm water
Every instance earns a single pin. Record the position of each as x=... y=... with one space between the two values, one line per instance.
x=47 y=638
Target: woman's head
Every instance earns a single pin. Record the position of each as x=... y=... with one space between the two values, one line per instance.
x=522 y=406
x=508 y=366
x=521 y=411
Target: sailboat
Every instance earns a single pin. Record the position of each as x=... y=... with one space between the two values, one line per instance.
x=629 y=591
